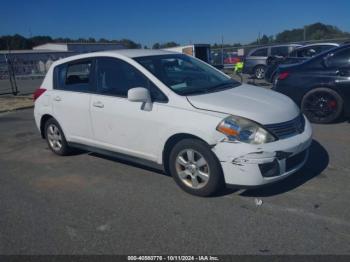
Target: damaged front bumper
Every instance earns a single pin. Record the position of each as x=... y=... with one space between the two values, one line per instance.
x=248 y=165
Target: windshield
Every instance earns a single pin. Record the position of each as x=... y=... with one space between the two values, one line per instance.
x=186 y=75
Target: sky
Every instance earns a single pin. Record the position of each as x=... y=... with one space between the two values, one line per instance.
x=150 y=21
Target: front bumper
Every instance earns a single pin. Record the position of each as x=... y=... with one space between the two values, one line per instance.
x=249 y=165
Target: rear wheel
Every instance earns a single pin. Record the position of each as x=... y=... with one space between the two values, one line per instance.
x=55 y=138
x=195 y=168
x=322 y=105
x=260 y=71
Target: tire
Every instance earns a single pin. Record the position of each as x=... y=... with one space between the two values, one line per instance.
x=198 y=173
x=55 y=138
x=259 y=72
x=322 y=105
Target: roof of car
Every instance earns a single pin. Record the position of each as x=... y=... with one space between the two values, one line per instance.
x=130 y=53
x=281 y=45
x=318 y=44
x=141 y=52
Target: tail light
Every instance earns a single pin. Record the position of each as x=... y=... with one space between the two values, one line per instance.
x=38 y=93
x=283 y=75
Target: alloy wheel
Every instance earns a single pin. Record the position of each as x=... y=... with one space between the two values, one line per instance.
x=321 y=105
x=192 y=168
x=54 y=137
x=260 y=73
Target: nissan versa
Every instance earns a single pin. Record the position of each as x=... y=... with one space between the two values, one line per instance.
x=175 y=111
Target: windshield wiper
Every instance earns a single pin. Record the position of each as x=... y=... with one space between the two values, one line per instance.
x=221 y=86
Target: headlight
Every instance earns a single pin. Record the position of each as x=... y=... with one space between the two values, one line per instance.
x=244 y=130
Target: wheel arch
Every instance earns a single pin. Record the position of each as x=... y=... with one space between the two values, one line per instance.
x=259 y=65
x=323 y=86
x=43 y=121
x=171 y=141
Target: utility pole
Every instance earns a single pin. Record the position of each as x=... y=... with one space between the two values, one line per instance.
x=222 y=49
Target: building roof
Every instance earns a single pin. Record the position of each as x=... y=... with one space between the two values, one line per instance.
x=29 y=51
x=66 y=46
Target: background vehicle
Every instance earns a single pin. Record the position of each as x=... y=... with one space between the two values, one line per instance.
x=200 y=51
x=255 y=62
x=320 y=86
x=298 y=55
x=231 y=58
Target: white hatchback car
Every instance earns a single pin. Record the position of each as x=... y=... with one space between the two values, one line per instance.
x=173 y=111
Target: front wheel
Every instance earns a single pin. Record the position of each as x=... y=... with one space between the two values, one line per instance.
x=195 y=168
x=322 y=105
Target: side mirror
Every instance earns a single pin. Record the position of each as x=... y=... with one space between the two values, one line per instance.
x=141 y=94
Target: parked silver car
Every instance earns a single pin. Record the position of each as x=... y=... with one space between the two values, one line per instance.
x=255 y=61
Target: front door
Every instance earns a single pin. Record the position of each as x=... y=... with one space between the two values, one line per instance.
x=117 y=123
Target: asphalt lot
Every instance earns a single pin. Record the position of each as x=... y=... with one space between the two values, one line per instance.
x=90 y=204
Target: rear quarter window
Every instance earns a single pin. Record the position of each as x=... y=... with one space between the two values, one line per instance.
x=280 y=51
x=74 y=76
x=259 y=52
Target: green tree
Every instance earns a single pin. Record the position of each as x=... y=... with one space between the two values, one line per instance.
x=169 y=44
x=156 y=46
x=264 y=40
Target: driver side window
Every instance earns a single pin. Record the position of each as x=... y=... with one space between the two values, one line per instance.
x=115 y=77
x=339 y=59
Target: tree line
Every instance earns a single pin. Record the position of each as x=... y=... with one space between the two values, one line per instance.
x=19 y=42
x=316 y=31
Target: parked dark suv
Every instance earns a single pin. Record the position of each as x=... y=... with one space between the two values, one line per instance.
x=320 y=86
x=255 y=61
x=298 y=55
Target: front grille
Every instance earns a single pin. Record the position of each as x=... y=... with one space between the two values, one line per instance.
x=289 y=128
x=293 y=161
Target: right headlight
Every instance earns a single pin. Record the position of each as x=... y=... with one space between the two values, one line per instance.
x=244 y=130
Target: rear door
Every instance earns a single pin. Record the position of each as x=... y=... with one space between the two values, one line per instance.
x=331 y=70
x=118 y=124
x=338 y=64
x=71 y=99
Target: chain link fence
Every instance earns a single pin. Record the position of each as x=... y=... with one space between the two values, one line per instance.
x=7 y=77
x=22 y=73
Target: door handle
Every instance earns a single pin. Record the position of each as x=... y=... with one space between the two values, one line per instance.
x=57 y=98
x=98 y=104
x=342 y=72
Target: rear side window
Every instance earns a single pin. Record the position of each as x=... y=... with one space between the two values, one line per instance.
x=294 y=53
x=115 y=77
x=74 y=76
x=279 y=51
x=311 y=51
x=260 y=52
x=339 y=59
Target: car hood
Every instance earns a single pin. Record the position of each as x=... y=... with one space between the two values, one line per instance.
x=256 y=103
